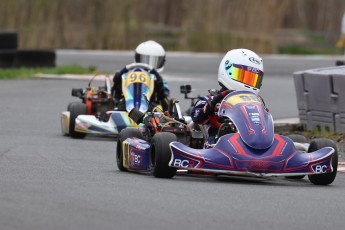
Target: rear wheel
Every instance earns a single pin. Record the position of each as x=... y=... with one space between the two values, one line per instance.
x=76 y=109
x=124 y=134
x=161 y=155
x=325 y=178
x=299 y=139
x=198 y=143
x=71 y=104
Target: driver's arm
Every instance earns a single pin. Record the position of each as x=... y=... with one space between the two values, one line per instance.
x=198 y=113
x=160 y=90
x=117 y=86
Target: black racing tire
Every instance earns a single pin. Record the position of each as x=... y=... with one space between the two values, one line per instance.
x=7 y=58
x=8 y=40
x=34 y=58
x=76 y=109
x=325 y=178
x=68 y=109
x=299 y=139
x=124 y=134
x=161 y=155
x=339 y=62
x=196 y=144
x=70 y=105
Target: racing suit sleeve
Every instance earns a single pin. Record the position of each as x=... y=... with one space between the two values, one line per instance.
x=204 y=109
x=117 y=86
x=198 y=114
x=160 y=94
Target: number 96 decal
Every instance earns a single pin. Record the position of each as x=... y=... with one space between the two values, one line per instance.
x=138 y=77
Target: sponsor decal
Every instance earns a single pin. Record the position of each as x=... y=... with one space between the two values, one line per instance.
x=250 y=107
x=254 y=70
x=254 y=60
x=243 y=98
x=255 y=118
x=136 y=159
x=140 y=147
x=196 y=113
x=181 y=163
x=320 y=168
x=200 y=102
x=227 y=64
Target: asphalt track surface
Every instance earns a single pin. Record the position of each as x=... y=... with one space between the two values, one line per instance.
x=48 y=181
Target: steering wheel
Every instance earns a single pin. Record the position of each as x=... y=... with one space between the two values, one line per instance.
x=139 y=65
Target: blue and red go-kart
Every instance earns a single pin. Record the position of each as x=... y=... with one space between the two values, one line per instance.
x=246 y=146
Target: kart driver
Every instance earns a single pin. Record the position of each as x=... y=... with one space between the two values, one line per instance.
x=153 y=54
x=240 y=69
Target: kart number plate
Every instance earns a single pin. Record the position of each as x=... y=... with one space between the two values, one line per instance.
x=138 y=77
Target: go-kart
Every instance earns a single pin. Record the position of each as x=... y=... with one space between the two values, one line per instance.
x=139 y=150
x=246 y=146
x=97 y=114
x=95 y=101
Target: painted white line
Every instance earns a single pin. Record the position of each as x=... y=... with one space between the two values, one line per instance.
x=68 y=76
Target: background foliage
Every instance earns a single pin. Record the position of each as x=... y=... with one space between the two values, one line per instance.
x=268 y=26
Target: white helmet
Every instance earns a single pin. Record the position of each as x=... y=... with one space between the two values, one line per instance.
x=151 y=53
x=241 y=69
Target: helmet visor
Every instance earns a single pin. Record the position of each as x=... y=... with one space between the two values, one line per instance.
x=246 y=75
x=154 y=61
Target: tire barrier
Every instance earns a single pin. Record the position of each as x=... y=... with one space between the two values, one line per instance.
x=339 y=62
x=321 y=98
x=34 y=58
x=7 y=58
x=11 y=57
x=8 y=40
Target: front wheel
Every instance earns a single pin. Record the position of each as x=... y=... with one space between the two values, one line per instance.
x=76 y=109
x=325 y=178
x=124 y=134
x=161 y=155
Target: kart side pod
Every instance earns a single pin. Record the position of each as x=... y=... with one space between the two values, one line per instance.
x=136 y=154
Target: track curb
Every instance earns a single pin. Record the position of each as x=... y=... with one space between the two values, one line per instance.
x=341 y=166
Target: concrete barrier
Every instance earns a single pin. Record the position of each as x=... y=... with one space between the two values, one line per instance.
x=321 y=98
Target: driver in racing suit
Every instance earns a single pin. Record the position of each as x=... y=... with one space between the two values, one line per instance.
x=153 y=54
x=240 y=69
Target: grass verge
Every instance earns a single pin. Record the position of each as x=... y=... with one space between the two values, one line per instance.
x=25 y=73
